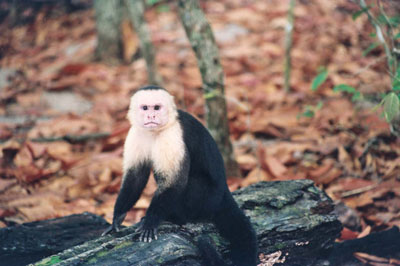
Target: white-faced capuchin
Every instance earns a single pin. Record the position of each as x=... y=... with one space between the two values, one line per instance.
x=189 y=171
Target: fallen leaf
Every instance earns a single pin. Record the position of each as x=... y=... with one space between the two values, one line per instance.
x=246 y=161
x=365 y=232
x=256 y=175
x=345 y=159
x=321 y=170
x=275 y=167
x=348 y=234
x=371 y=259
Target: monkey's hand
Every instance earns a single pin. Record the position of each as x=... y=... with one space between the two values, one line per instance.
x=110 y=229
x=116 y=225
x=147 y=232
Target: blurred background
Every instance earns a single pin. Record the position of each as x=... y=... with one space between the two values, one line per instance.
x=311 y=89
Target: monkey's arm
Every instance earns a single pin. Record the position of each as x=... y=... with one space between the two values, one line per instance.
x=134 y=181
x=166 y=200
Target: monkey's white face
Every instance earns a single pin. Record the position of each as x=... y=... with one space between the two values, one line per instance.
x=151 y=109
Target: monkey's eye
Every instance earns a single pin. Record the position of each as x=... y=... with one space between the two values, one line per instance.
x=157 y=107
x=144 y=107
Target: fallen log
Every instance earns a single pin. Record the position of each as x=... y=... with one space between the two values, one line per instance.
x=292 y=218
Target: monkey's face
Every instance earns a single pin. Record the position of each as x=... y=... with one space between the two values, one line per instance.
x=150 y=109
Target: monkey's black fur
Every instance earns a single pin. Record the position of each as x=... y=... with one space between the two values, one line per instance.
x=200 y=194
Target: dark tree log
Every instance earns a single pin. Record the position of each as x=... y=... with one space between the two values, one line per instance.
x=30 y=242
x=203 y=43
x=293 y=217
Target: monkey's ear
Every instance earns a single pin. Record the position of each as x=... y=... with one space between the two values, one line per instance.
x=172 y=101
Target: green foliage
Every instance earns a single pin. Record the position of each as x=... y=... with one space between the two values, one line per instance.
x=153 y=2
x=390 y=21
x=163 y=8
x=386 y=35
x=360 y=12
x=310 y=110
x=391 y=106
x=371 y=47
x=319 y=79
x=160 y=6
x=396 y=81
x=349 y=89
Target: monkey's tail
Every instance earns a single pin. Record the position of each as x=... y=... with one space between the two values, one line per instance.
x=236 y=228
x=208 y=252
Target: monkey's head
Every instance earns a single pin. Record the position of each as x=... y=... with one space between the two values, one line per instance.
x=152 y=108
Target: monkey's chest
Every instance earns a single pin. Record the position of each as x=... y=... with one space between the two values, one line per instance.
x=165 y=151
x=167 y=155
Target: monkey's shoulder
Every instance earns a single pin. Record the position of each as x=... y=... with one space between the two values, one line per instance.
x=193 y=130
x=202 y=148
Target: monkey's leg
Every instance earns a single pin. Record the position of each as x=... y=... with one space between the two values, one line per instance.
x=165 y=202
x=161 y=206
x=132 y=186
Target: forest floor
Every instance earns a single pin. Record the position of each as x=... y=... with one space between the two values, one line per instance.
x=52 y=91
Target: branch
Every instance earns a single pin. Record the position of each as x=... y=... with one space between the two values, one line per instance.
x=73 y=138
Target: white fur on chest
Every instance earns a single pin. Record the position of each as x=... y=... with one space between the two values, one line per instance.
x=165 y=150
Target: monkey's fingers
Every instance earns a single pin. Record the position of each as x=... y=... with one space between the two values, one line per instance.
x=148 y=235
x=110 y=229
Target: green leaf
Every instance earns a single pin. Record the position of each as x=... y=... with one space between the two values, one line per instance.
x=344 y=87
x=396 y=81
x=356 y=96
x=211 y=94
x=396 y=87
x=377 y=106
x=394 y=21
x=397 y=36
x=308 y=113
x=162 y=8
x=360 y=12
x=310 y=110
x=319 y=79
x=391 y=106
x=370 y=48
x=152 y=2
x=382 y=19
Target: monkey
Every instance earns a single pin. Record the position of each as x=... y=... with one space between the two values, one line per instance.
x=189 y=172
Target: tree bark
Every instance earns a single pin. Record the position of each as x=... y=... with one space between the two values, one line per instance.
x=290 y=217
x=288 y=45
x=203 y=43
x=108 y=20
x=136 y=10
x=30 y=242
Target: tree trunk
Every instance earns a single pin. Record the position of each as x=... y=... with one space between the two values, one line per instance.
x=288 y=45
x=292 y=218
x=136 y=10
x=108 y=20
x=203 y=43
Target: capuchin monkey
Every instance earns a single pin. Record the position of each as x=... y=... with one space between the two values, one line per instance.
x=188 y=169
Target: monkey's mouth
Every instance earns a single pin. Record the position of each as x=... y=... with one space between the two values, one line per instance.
x=151 y=124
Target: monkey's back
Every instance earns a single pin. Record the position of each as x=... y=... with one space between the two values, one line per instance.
x=207 y=180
